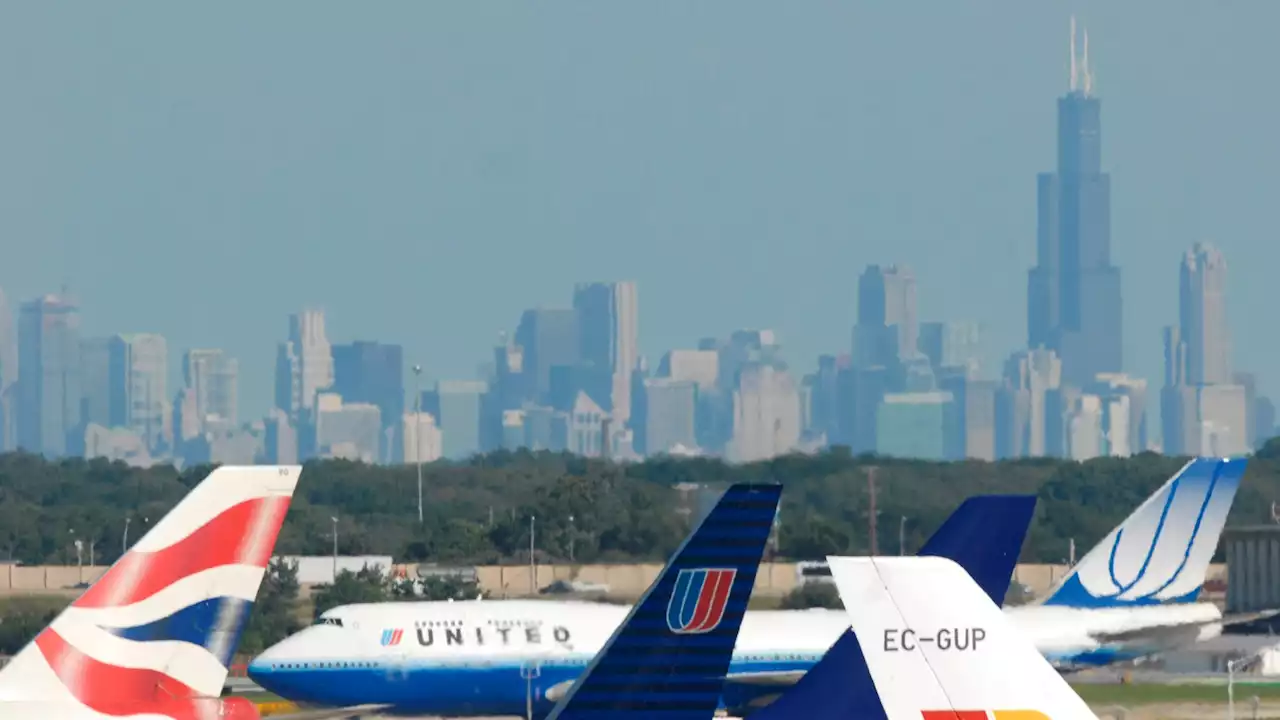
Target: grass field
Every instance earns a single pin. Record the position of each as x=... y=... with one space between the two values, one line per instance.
x=1145 y=694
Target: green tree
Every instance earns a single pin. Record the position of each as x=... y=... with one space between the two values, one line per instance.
x=813 y=595
x=275 y=613
x=21 y=618
x=368 y=585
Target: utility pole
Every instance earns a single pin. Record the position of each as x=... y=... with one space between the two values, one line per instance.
x=871 y=497
x=533 y=564
x=124 y=541
x=417 y=431
x=902 y=535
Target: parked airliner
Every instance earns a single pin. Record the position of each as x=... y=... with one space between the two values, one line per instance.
x=519 y=657
x=1132 y=595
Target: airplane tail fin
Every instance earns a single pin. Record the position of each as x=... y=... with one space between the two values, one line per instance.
x=164 y=620
x=984 y=536
x=1160 y=553
x=937 y=648
x=669 y=657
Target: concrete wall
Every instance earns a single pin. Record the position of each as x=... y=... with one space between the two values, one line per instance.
x=624 y=581
x=16 y=579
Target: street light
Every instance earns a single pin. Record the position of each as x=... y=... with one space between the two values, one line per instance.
x=417 y=431
x=124 y=541
x=902 y=534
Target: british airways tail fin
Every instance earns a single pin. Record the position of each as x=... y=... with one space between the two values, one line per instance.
x=984 y=535
x=164 y=620
x=1160 y=553
x=937 y=648
x=669 y=657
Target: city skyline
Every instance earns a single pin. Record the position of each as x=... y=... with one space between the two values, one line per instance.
x=933 y=188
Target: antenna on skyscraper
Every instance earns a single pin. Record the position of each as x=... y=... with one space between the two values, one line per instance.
x=1088 y=72
x=1072 y=86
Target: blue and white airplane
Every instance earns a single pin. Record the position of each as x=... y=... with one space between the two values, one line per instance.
x=518 y=657
x=1132 y=595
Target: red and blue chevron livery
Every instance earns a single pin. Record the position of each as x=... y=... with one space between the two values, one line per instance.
x=698 y=600
x=154 y=636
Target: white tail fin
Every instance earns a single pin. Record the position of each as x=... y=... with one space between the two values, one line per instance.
x=163 y=621
x=1160 y=553
x=938 y=649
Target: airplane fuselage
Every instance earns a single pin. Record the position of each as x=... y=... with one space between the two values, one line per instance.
x=501 y=657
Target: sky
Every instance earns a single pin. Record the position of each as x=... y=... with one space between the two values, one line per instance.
x=425 y=171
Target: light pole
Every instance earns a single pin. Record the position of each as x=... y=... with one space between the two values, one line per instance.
x=571 y=534
x=335 y=548
x=533 y=564
x=124 y=541
x=417 y=431
x=902 y=535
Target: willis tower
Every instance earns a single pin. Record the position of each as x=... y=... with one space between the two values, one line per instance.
x=1073 y=292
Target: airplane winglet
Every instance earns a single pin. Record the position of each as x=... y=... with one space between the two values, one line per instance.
x=937 y=647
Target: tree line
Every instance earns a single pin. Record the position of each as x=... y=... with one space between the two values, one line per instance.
x=584 y=510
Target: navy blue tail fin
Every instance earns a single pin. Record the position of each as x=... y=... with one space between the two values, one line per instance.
x=669 y=657
x=984 y=536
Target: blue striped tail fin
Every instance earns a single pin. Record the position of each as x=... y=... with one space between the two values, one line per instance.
x=669 y=657
x=984 y=536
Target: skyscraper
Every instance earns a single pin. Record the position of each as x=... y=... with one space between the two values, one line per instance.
x=548 y=337
x=214 y=376
x=304 y=364
x=607 y=337
x=887 y=331
x=138 y=367
x=48 y=374
x=1202 y=316
x=1073 y=293
x=1202 y=411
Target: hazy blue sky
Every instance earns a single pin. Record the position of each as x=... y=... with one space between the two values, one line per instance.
x=425 y=170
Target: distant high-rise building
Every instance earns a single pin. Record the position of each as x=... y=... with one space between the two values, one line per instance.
x=352 y=431
x=1073 y=293
x=215 y=378
x=608 y=337
x=95 y=381
x=766 y=414
x=665 y=416
x=457 y=404
x=1202 y=316
x=887 y=331
x=48 y=374
x=548 y=337
x=315 y=356
x=952 y=344
x=423 y=441
x=913 y=425
x=280 y=440
x=1023 y=403
x=289 y=381
x=371 y=372
x=1202 y=411
x=139 y=368
x=8 y=376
